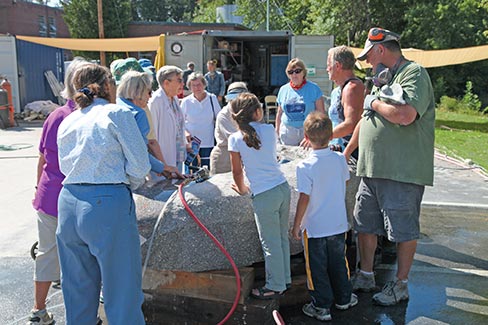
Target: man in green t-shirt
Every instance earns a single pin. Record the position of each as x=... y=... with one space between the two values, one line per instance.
x=396 y=160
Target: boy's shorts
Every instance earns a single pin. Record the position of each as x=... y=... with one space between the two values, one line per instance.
x=388 y=208
x=47 y=262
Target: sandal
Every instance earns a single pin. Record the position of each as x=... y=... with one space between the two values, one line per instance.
x=264 y=293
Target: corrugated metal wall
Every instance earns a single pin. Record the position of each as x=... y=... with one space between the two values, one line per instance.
x=32 y=61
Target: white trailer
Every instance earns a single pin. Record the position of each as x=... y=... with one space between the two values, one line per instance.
x=259 y=58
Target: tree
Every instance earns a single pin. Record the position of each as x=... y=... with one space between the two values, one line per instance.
x=81 y=16
x=349 y=21
x=284 y=15
x=206 y=11
x=163 y=10
x=458 y=23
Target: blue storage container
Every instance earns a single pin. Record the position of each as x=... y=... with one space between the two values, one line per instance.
x=32 y=61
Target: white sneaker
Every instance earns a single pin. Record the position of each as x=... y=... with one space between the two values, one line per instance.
x=353 y=302
x=392 y=293
x=41 y=317
x=322 y=314
x=363 y=282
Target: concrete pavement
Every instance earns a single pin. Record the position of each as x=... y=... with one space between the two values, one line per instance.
x=448 y=279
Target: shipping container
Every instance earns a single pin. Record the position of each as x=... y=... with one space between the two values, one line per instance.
x=32 y=61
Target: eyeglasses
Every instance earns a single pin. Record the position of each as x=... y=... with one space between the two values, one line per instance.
x=379 y=34
x=296 y=71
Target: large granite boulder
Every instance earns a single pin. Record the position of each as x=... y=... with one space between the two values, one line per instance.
x=175 y=242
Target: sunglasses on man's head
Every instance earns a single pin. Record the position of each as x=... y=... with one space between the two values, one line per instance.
x=378 y=34
x=297 y=71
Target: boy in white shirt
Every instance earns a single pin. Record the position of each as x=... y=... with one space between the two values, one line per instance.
x=321 y=221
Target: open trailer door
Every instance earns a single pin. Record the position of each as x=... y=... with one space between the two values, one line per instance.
x=312 y=49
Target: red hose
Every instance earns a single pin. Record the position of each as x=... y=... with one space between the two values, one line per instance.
x=222 y=249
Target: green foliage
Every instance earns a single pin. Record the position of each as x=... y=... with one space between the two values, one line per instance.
x=206 y=11
x=449 y=104
x=81 y=16
x=283 y=15
x=469 y=103
x=463 y=135
x=163 y=10
x=471 y=100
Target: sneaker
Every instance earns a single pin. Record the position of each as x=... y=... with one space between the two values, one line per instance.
x=353 y=302
x=41 y=317
x=392 y=293
x=363 y=282
x=316 y=312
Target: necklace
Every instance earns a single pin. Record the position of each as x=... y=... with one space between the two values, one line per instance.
x=296 y=87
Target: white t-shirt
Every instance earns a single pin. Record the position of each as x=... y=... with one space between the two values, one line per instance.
x=261 y=166
x=199 y=117
x=323 y=177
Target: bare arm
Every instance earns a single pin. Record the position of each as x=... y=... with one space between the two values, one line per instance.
x=402 y=114
x=352 y=101
x=279 y=112
x=302 y=205
x=40 y=165
x=320 y=105
x=155 y=149
x=238 y=174
x=353 y=142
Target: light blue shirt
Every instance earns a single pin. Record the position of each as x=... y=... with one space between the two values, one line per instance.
x=297 y=104
x=335 y=102
x=215 y=83
x=101 y=144
x=143 y=124
x=261 y=166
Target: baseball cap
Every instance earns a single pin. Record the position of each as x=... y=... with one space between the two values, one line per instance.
x=235 y=89
x=377 y=35
x=146 y=63
x=122 y=66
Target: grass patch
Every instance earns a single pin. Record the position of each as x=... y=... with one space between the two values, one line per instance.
x=462 y=135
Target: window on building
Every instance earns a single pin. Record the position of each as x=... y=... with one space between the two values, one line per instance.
x=42 y=26
x=52 y=27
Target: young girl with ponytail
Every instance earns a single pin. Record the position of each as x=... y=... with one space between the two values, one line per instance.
x=253 y=149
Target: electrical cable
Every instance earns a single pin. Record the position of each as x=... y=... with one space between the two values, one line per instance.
x=220 y=246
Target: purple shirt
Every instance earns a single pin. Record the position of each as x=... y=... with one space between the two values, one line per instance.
x=49 y=186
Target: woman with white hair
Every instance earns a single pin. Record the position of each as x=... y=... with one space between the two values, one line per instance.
x=133 y=92
x=200 y=110
x=168 y=119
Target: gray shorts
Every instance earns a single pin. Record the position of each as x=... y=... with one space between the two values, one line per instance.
x=47 y=262
x=388 y=208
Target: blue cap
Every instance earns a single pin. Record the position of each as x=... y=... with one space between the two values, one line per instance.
x=146 y=63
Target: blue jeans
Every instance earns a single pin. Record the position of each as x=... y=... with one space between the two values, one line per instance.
x=327 y=270
x=271 y=212
x=98 y=242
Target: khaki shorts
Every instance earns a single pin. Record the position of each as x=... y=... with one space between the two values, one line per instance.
x=219 y=160
x=290 y=136
x=388 y=208
x=47 y=262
